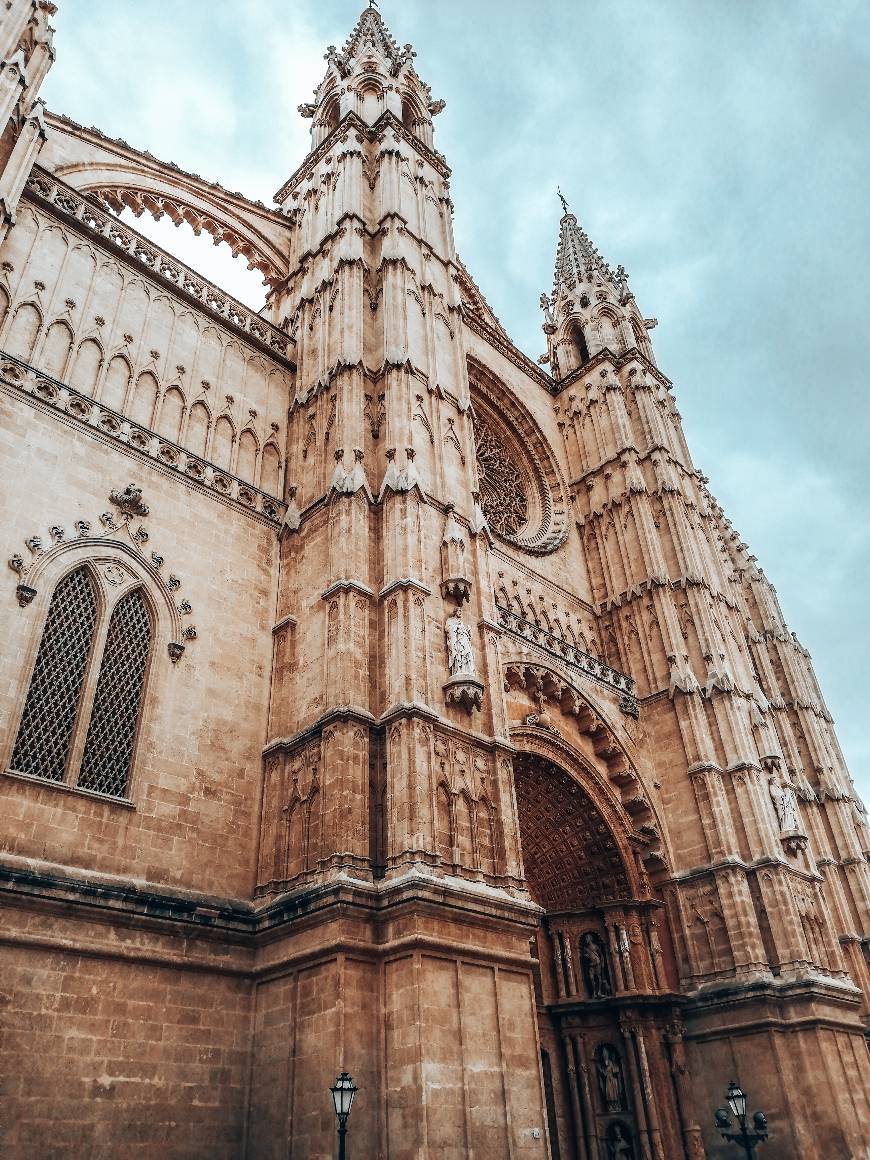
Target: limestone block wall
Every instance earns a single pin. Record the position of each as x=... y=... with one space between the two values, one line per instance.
x=194 y=793
x=441 y=1045
x=80 y=314
x=119 y=1059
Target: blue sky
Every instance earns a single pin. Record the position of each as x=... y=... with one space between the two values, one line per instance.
x=720 y=151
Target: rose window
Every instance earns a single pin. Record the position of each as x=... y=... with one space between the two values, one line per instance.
x=503 y=494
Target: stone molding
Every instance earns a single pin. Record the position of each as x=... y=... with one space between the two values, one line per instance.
x=566 y=652
x=245 y=924
x=112 y=528
x=81 y=411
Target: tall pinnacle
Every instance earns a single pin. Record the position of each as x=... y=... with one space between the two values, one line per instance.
x=371 y=32
x=369 y=76
x=578 y=261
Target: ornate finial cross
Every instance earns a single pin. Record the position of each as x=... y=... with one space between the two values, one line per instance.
x=562 y=199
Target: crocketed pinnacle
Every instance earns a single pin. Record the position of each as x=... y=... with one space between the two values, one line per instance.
x=577 y=260
x=371 y=34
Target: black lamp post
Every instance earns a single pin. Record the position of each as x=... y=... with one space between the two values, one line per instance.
x=737 y=1103
x=342 y=1100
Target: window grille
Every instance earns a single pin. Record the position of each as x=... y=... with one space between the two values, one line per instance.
x=43 y=741
x=112 y=731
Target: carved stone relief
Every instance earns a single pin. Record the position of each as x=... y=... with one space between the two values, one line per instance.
x=130 y=504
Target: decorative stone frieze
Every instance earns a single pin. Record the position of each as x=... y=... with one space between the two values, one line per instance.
x=101 y=421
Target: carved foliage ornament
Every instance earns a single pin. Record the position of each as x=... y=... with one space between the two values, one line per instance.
x=130 y=505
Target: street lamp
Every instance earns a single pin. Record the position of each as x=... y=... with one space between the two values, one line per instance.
x=737 y=1101
x=342 y=1100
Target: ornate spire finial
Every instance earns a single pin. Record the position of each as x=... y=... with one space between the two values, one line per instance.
x=373 y=3
x=562 y=199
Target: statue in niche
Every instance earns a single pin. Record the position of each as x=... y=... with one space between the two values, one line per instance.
x=595 y=971
x=460 y=657
x=619 y=1146
x=610 y=1078
x=786 y=806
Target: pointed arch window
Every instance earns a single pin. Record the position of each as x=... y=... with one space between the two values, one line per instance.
x=111 y=733
x=43 y=743
x=84 y=702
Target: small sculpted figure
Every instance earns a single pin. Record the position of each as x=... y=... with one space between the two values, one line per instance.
x=595 y=967
x=785 y=803
x=610 y=1079
x=618 y=1144
x=460 y=657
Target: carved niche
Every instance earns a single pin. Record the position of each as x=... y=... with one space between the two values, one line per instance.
x=610 y=1079
x=596 y=972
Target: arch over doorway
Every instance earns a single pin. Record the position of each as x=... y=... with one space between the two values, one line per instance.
x=608 y=1008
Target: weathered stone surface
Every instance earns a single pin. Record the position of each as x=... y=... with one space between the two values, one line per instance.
x=471 y=752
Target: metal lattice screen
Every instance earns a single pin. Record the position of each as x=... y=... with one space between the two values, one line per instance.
x=112 y=731
x=43 y=741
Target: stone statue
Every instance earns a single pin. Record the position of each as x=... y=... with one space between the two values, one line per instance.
x=785 y=803
x=594 y=966
x=618 y=1143
x=547 y=306
x=610 y=1078
x=460 y=656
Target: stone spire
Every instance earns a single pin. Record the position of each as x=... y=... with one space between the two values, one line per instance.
x=578 y=262
x=370 y=76
x=592 y=308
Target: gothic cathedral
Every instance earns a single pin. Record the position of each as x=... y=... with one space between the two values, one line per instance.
x=375 y=699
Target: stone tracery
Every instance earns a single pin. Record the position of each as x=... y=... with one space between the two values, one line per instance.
x=503 y=495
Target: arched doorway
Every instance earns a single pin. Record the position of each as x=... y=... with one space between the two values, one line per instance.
x=608 y=1015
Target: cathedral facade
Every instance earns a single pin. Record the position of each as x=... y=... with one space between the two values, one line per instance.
x=374 y=698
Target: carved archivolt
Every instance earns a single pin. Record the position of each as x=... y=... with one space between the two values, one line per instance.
x=546 y=687
x=522 y=492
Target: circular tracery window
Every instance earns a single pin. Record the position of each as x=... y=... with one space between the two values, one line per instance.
x=503 y=494
x=522 y=492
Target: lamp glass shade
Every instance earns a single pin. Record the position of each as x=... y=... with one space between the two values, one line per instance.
x=736 y=1099
x=342 y=1095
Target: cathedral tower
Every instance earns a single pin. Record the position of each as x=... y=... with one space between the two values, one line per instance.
x=410 y=710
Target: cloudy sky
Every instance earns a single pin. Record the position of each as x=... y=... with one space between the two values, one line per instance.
x=720 y=151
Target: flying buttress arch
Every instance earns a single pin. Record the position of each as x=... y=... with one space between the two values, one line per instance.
x=121 y=177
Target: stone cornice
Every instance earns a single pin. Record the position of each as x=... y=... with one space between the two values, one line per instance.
x=505 y=347
x=347 y=586
x=111 y=427
x=566 y=653
x=630 y=448
x=400 y=711
x=373 y=375
x=186 y=914
x=404 y=584
x=650 y=583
